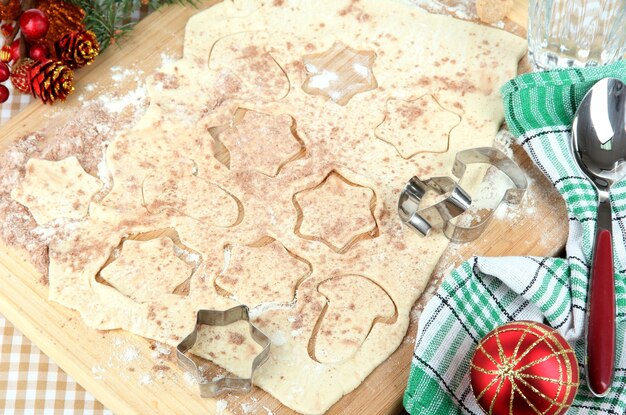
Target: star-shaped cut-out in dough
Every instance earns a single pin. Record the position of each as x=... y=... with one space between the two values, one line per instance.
x=281 y=272
x=146 y=270
x=339 y=73
x=418 y=126
x=346 y=323
x=56 y=189
x=259 y=141
x=336 y=212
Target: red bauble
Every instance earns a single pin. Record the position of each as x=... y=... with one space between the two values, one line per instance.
x=19 y=76
x=6 y=29
x=38 y=52
x=4 y=93
x=5 y=72
x=523 y=368
x=15 y=50
x=34 y=24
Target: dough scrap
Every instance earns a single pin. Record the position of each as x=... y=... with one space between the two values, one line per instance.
x=56 y=189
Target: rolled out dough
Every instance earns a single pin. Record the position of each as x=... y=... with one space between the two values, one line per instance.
x=322 y=217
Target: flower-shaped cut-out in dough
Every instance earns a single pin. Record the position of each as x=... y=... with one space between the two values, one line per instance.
x=419 y=126
x=339 y=73
x=145 y=270
x=336 y=212
x=355 y=304
x=261 y=142
x=56 y=189
x=262 y=274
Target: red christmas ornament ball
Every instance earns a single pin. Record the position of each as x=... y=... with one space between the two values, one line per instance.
x=38 y=52
x=6 y=29
x=19 y=76
x=34 y=24
x=4 y=93
x=5 y=72
x=15 y=50
x=523 y=368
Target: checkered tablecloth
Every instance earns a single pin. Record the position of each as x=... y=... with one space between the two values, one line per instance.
x=30 y=383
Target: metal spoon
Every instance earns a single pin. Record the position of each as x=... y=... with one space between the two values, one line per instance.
x=599 y=147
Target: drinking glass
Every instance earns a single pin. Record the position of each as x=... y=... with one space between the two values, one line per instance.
x=566 y=33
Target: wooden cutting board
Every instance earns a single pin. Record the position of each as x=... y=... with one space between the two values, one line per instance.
x=128 y=374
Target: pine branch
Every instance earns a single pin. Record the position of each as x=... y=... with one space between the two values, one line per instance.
x=110 y=20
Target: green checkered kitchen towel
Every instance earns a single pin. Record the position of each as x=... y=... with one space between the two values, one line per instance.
x=484 y=293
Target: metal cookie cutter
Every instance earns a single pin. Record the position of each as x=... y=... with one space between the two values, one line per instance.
x=210 y=389
x=457 y=200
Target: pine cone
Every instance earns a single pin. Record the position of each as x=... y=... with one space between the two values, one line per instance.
x=19 y=75
x=77 y=49
x=50 y=80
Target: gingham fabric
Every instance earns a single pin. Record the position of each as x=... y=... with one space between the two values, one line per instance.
x=484 y=293
x=32 y=384
x=16 y=102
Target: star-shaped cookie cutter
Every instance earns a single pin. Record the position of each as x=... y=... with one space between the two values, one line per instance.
x=456 y=200
x=210 y=389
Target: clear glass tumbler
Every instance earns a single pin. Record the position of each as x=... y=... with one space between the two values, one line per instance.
x=565 y=33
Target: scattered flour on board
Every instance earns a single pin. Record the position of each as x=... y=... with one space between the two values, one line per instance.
x=120 y=74
x=115 y=104
x=98 y=372
x=220 y=406
x=190 y=378
x=167 y=59
x=145 y=379
x=160 y=350
x=129 y=354
x=248 y=408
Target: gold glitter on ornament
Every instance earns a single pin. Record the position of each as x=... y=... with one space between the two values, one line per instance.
x=11 y=10
x=63 y=17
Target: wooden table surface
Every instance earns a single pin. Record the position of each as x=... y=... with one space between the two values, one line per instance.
x=536 y=228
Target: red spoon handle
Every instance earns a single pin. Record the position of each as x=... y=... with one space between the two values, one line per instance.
x=601 y=317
